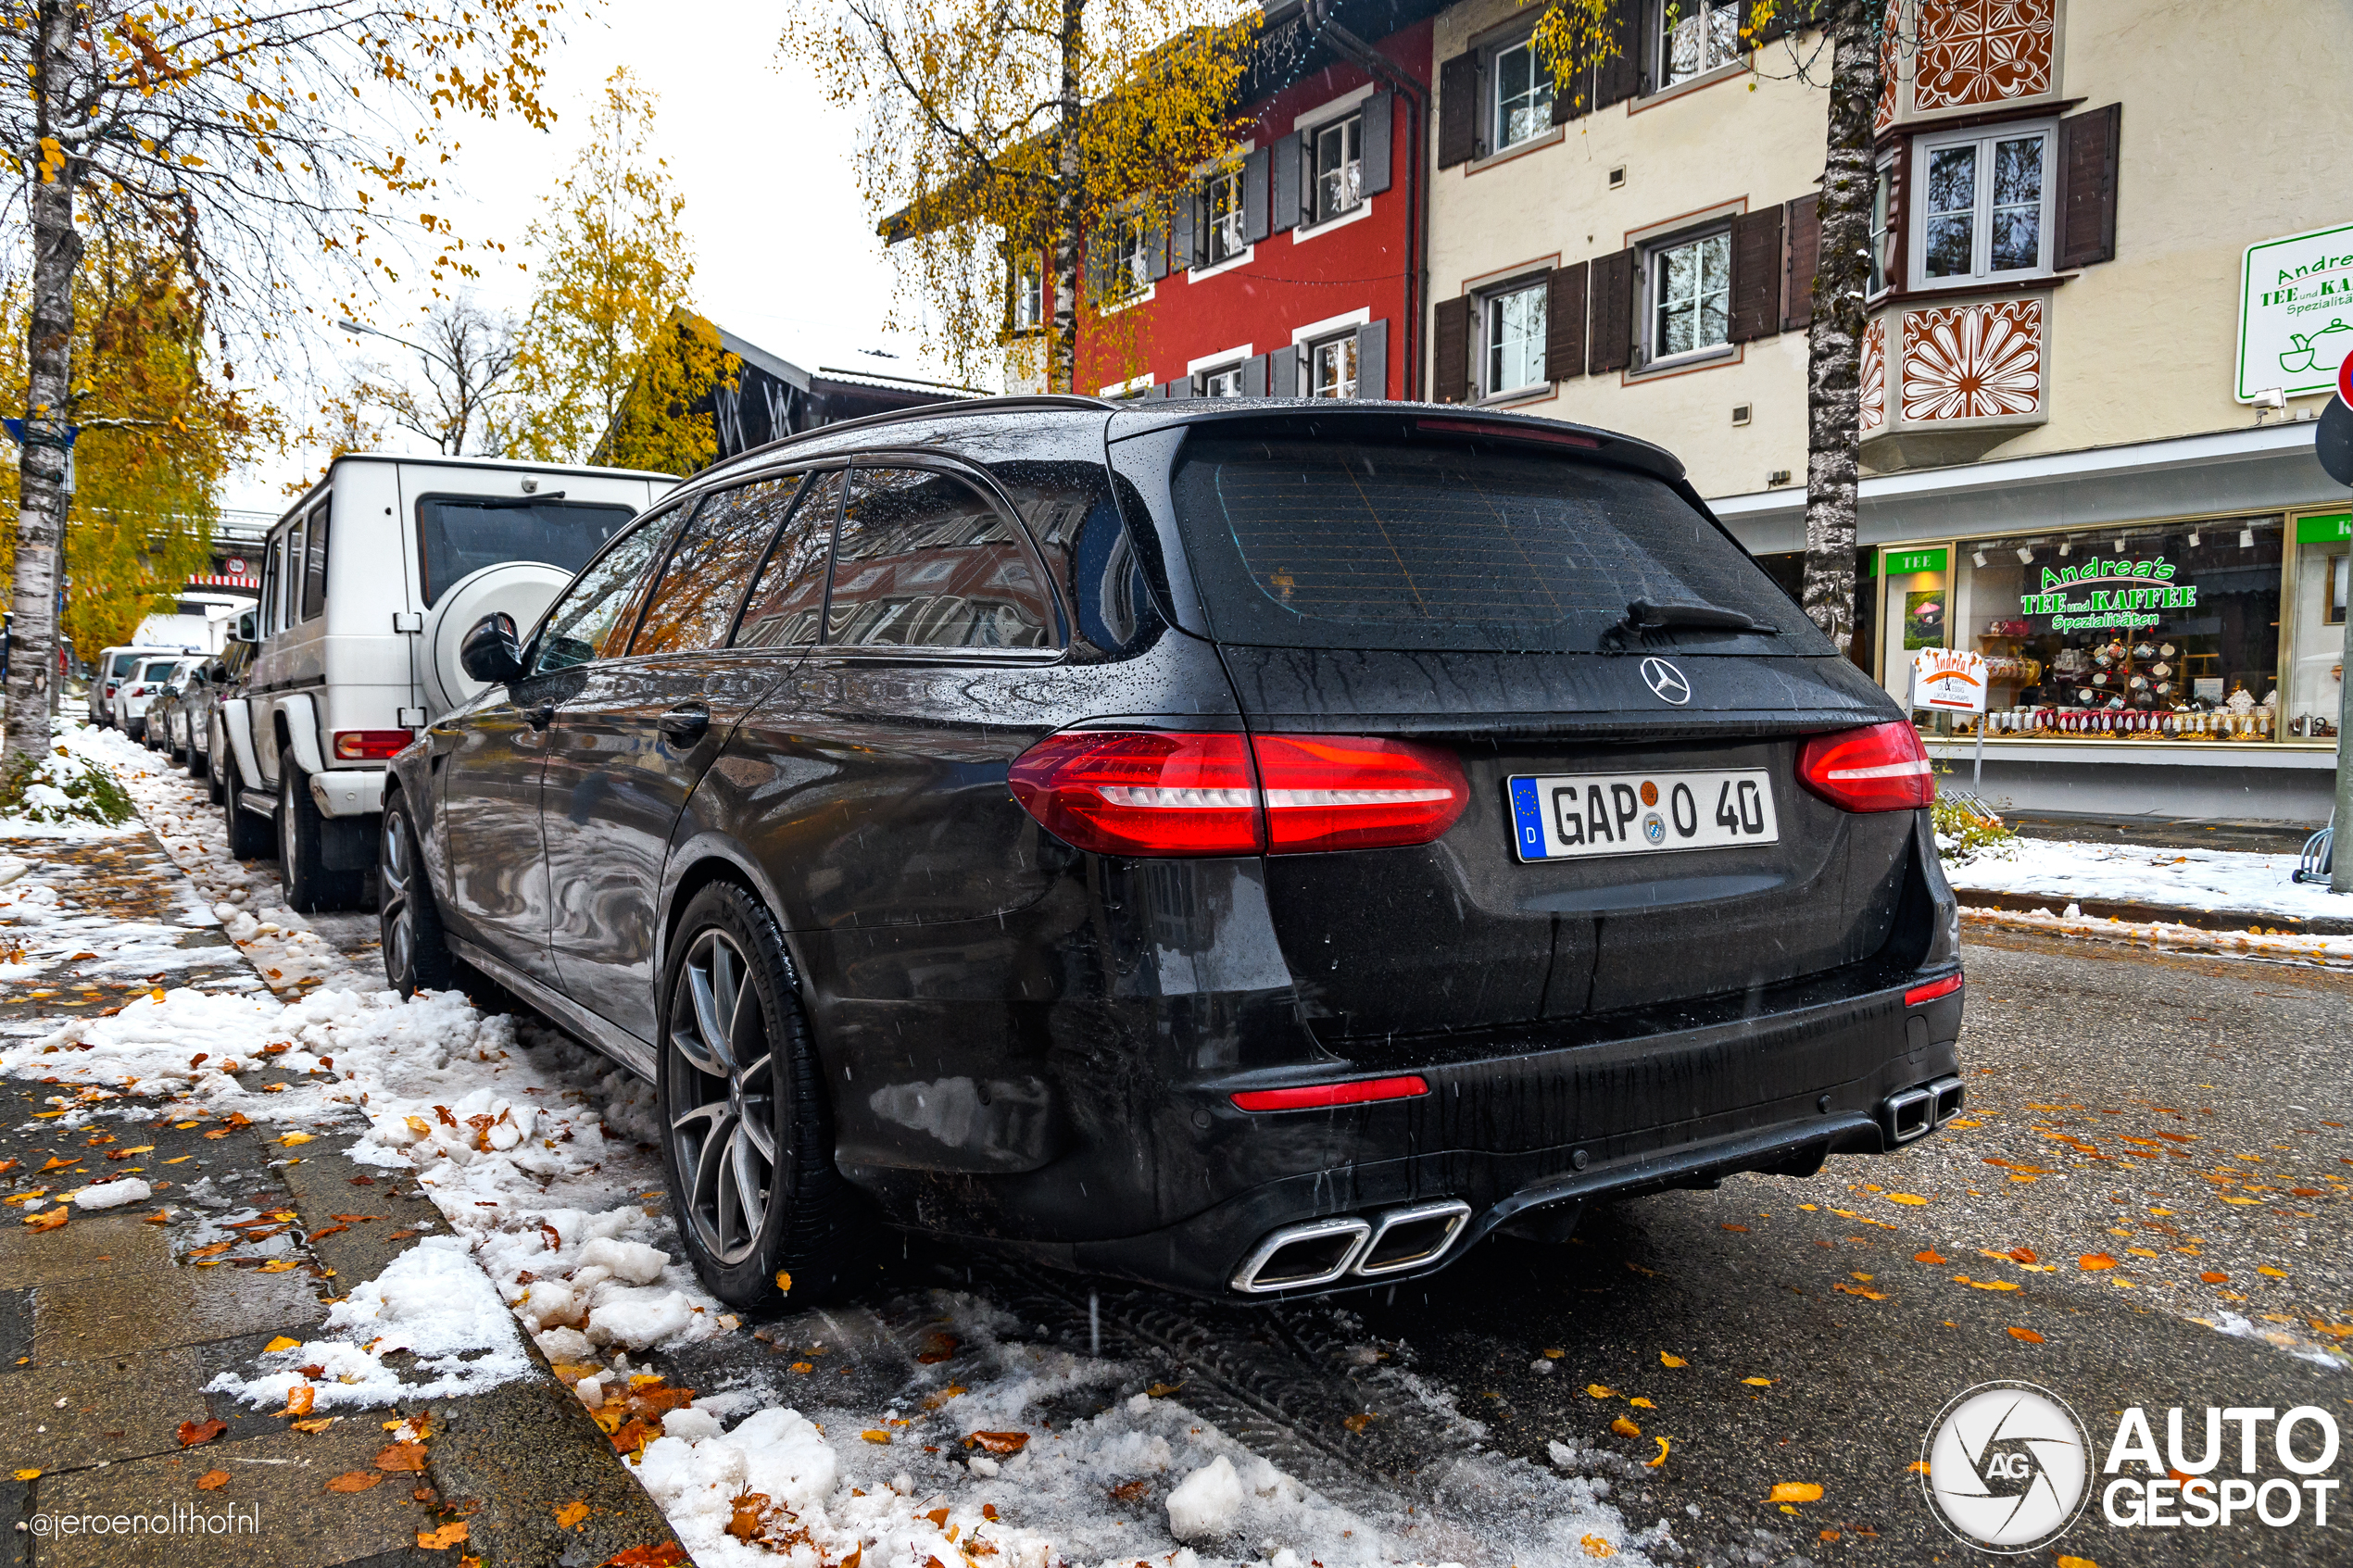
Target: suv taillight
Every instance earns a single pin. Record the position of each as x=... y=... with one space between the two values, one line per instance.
x=1151 y=794
x=1879 y=768
x=369 y=745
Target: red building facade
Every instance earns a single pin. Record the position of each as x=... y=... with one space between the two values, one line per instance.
x=1292 y=269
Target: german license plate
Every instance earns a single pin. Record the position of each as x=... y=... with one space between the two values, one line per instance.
x=1568 y=816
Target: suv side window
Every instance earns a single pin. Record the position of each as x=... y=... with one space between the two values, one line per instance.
x=274 y=571
x=314 y=568
x=789 y=599
x=694 y=602
x=594 y=617
x=924 y=560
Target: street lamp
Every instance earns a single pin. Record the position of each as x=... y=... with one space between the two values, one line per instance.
x=388 y=337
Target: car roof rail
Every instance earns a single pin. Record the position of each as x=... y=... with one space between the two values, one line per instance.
x=961 y=408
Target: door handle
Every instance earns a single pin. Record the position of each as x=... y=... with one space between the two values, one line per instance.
x=686 y=722
x=539 y=718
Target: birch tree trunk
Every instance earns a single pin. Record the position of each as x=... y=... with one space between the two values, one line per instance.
x=1069 y=204
x=1834 y=355
x=40 y=495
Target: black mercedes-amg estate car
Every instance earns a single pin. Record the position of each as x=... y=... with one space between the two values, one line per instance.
x=1255 y=847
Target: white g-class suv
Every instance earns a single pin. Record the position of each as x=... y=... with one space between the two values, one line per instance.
x=368 y=584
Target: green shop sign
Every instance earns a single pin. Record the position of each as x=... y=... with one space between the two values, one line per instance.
x=2133 y=592
x=1902 y=563
x=2333 y=530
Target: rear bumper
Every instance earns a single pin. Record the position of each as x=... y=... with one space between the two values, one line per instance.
x=348 y=792
x=1526 y=1140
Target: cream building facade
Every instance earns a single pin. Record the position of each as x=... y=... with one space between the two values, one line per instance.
x=2074 y=464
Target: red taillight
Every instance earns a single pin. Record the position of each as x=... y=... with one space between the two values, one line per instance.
x=369 y=745
x=136 y=690
x=1932 y=990
x=109 y=691
x=1358 y=1091
x=1118 y=792
x=1348 y=792
x=1133 y=793
x=1879 y=768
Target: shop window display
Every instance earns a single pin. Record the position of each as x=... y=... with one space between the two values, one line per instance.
x=2323 y=577
x=2156 y=632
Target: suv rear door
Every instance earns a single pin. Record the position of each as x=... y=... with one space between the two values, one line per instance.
x=629 y=745
x=1457 y=591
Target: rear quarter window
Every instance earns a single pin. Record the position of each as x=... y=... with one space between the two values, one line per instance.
x=1333 y=544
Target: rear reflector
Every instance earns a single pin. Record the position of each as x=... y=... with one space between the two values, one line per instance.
x=1360 y=1091
x=369 y=745
x=1932 y=990
x=1879 y=768
x=1156 y=794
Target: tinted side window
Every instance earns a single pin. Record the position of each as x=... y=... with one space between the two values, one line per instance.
x=924 y=561
x=789 y=599
x=314 y=568
x=695 y=601
x=274 y=571
x=593 y=617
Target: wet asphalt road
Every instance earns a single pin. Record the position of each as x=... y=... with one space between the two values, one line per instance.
x=2139 y=1124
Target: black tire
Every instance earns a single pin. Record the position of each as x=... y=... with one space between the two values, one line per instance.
x=199 y=762
x=213 y=776
x=736 y=1061
x=417 y=957
x=248 y=835
x=310 y=885
x=137 y=729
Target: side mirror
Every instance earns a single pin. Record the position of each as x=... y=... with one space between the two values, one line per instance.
x=248 y=628
x=491 y=652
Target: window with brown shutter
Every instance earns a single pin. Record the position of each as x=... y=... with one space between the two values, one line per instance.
x=1609 y=345
x=1450 y=350
x=2087 y=186
x=1565 y=323
x=1619 y=74
x=1458 y=110
x=1803 y=225
x=1756 y=275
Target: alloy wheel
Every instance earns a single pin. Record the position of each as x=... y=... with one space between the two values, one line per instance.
x=399 y=912
x=721 y=1093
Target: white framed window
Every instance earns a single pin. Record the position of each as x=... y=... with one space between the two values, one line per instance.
x=1983 y=204
x=1331 y=366
x=1523 y=108
x=1222 y=210
x=1123 y=274
x=1512 y=324
x=1223 y=380
x=1029 y=293
x=1882 y=233
x=1337 y=169
x=1688 y=289
x=1696 y=37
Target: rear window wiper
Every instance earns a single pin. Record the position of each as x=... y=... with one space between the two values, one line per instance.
x=1643 y=614
x=513 y=502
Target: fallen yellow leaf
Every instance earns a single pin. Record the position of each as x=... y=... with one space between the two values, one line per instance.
x=28 y=1476
x=1665 y=1360
x=1985 y=1284
x=1654 y=1463
x=784 y=1282
x=47 y=1220
x=1625 y=1428
x=1759 y=1382
x=1640 y=1403
x=2077 y=1562
x=1600 y=1391
x=875 y=1436
x=1918 y=1467
x=1597 y=1546
x=2026 y=1335
x=278 y=1266
x=1554 y=1355
x=1796 y=1491
x=570 y=1515
x=443 y=1539
x=1910 y=1199
x=2092 y=1262
x=282 y=1343
x=2275 y=1274
x=291 y=1139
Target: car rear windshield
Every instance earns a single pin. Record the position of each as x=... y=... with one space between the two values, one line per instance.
x=457 y=536
x=1334 y=543
x=160 y=670
x=123 y=664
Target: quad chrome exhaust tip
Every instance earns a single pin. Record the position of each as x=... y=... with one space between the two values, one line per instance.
x=1921 y=1110
x=1319 y=1251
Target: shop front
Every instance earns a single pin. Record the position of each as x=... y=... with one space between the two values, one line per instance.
x=2149 y=652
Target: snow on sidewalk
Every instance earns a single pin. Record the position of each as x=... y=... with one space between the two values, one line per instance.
x=529 y=1146
x=2213 y=881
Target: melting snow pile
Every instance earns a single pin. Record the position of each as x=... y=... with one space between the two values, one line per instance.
x=2213 y=881
x=70 y=793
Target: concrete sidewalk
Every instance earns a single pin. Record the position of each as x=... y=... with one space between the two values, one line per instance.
x=110 y=1328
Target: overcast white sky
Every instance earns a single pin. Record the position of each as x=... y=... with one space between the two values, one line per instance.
x=785 y=255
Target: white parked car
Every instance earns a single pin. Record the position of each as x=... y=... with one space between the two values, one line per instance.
x=111 y=670
x=136 y=690
x=367 y=585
